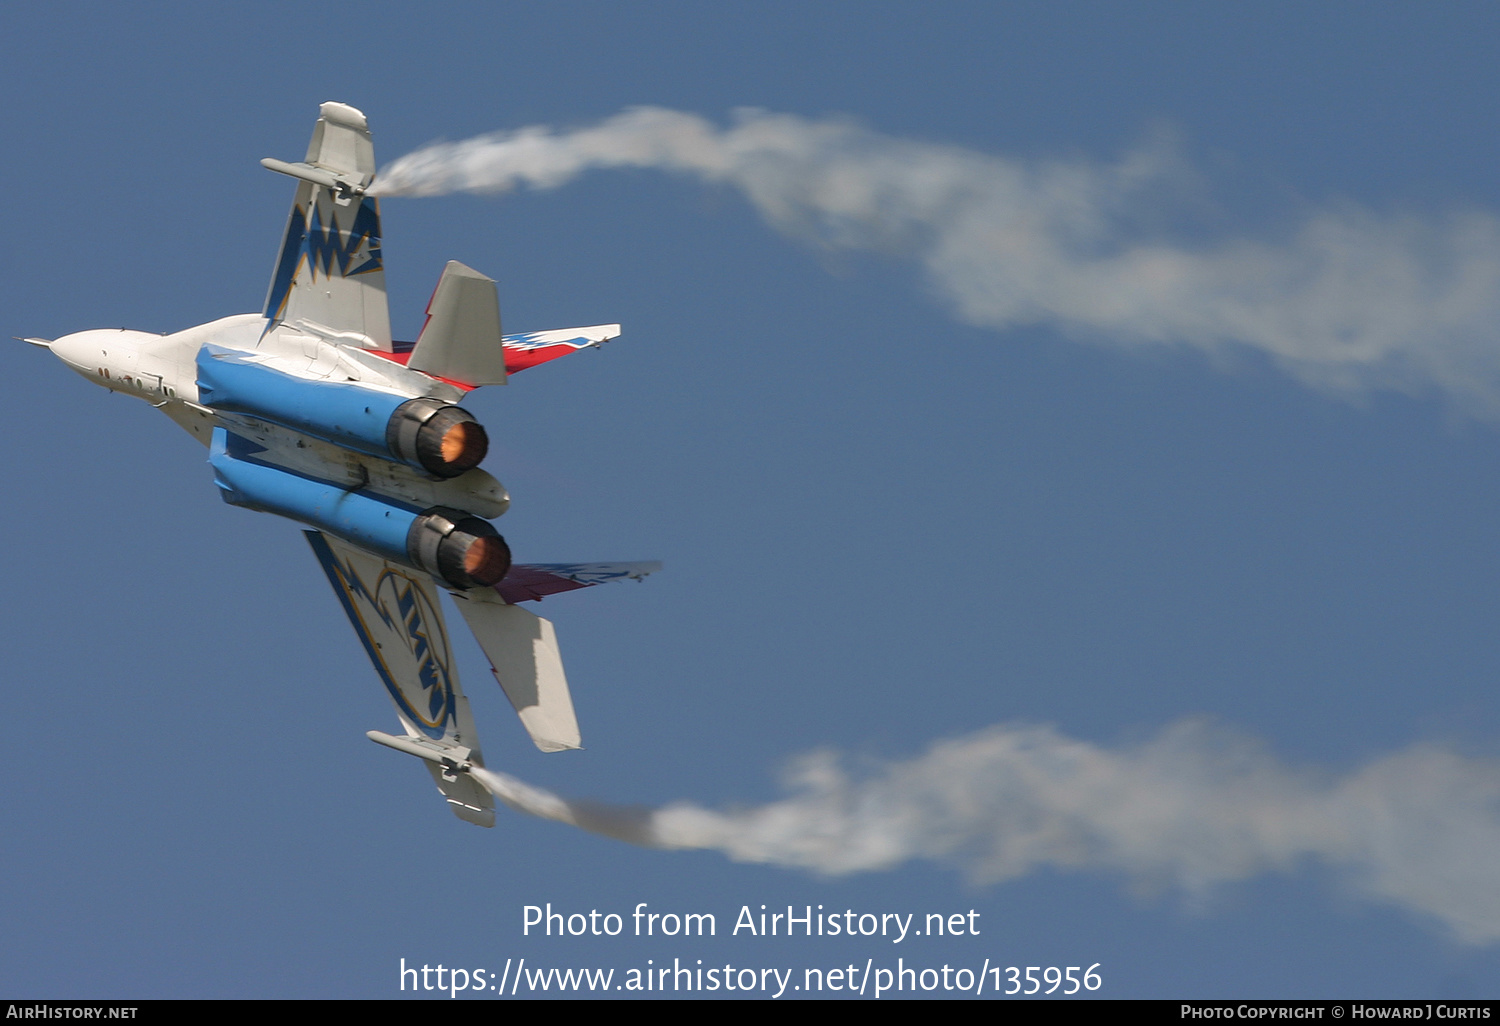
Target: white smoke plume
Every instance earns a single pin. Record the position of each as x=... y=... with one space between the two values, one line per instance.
x=1193 y=808
x=1348 y=299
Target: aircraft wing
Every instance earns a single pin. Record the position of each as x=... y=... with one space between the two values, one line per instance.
x=396 y=613
x=533 y=581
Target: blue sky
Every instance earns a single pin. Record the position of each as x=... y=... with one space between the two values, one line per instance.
x=888 y=521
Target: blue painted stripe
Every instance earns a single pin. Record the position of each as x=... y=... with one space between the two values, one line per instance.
x=292 y=245
x=330 y=250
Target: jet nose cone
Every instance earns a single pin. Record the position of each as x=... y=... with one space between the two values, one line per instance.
x=80 y=351
x=103 y=355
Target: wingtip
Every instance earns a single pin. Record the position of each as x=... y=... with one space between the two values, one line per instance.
x=343 y=114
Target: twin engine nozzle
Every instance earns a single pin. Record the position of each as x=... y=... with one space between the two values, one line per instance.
x=462 y=549
x=437 y=438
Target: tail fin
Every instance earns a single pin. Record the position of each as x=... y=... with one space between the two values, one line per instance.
x=522 y=650
x=461 y=340
x=329 y=271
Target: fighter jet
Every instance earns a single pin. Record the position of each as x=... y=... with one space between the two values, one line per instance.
x=311 y=411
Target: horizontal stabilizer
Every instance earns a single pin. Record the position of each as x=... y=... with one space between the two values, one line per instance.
x=461 y=339
x=534 y=347
x=532 y=581
x=522 y=649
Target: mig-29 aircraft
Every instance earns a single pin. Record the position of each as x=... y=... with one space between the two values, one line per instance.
x=311 y=411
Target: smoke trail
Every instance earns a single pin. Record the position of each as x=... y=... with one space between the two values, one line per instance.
x=1190 y=809
x=1350 y=300
x=630 y=823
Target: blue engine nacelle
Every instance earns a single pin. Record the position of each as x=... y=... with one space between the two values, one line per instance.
x=457 y=547
x=433 y=436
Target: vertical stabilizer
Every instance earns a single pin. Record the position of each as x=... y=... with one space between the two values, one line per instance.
x=461 y=340
x=329 y=272
x=522 y=650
